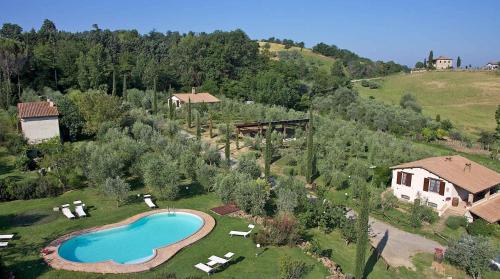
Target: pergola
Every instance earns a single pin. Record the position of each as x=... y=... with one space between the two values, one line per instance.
x=261 y=126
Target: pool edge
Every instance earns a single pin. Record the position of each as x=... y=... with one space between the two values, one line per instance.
x=161 y=255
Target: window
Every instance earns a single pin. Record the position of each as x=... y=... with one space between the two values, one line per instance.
x=405 y=197
x=431 y=204
x=434 y=185
x=404 y=178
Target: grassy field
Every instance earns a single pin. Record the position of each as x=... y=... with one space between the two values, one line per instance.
x=468 y=99
x=323 y=62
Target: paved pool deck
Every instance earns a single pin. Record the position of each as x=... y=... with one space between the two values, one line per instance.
x=161 y=254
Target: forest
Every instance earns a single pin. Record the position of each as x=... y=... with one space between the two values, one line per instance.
x=226 y=63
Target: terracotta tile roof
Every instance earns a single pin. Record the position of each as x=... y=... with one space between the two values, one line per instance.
x=488 y=210
x=37 y=109
x=197 y=97
x=460 y=171
x=225 y=209
x=442 y=58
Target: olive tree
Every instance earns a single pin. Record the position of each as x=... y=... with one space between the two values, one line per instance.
x=117 y=188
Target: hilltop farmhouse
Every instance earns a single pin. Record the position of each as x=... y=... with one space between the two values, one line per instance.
x=491 y=66
x=39 y=121
x=450 y=182
x=179 y=99
x=442 y=62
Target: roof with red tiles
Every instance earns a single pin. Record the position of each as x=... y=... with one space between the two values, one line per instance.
x=203 y=97
x=460 y=171
x=37 y=109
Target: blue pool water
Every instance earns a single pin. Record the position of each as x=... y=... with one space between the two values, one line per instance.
x=132 y=243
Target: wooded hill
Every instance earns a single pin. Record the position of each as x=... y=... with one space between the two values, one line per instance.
x=220 y=62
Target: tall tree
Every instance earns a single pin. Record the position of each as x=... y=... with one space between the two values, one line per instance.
x=362 y=233
x=210 y=125
x=310 y=149
x=171 y=107
x=124 y=89
x=459 y=62
x=268 y=152
x=430 y=60
x=227 y=146
x=497 y=118
x=189 y=113
x=155 y=97
x=198 y=126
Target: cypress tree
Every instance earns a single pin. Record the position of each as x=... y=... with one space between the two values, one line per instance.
x=497 y=119
x=113 y=92
x=227 y=147
x=459 y=62
x=189 y=113
x=198 y=126
x=430 y=59
x=268 y=153
x=155 y=97
x=124 y=89
x=210 y=125
x=310 y=149
x=171 y=108
x=362 y=233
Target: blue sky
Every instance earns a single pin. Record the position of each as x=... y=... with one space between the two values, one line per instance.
x=403 y=31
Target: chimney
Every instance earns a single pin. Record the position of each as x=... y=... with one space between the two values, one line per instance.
x=51 y=104
x=468 y=166
x=447 y=159
x=193 y=90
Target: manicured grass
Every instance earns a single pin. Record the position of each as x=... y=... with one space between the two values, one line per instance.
x=38 y=225
x=323 y=62
x=468 y=99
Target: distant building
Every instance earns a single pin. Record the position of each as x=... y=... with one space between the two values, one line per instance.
x=442 y=62
x=491 y=66
x=450 y=183
x=39 y=121
x=179 y=99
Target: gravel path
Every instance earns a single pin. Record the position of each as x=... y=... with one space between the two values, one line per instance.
x=398 y=246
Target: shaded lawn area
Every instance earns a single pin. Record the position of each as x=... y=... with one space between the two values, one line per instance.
x=35 y=225
x=8 y=169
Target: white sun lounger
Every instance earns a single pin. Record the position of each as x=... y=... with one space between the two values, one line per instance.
x=218 y=260
x=67 y=212
x=6 y=236
x=205 y=268
x=4 y=244
x=80 y=211
x=149 y=202
x=244 y=234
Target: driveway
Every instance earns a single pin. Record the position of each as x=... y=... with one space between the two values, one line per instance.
x=398 y=246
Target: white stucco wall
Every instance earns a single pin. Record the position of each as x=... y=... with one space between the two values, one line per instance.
x=417 y=188
x=443 y=64
x=39 y=129
x=177 y=102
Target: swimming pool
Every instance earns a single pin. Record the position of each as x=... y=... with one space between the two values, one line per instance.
x=132 y=243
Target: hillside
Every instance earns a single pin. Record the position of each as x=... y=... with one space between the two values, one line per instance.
x=319 y=60
x=468 y=99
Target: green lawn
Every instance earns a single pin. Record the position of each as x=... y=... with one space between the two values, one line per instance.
x=35 y=225
x=468 y=99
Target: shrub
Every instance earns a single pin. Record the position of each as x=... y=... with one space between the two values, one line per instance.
x=292 y=269
x=282 y=230
x=481 y=227
x=373 y=85
x=248 y=164
x=454 y=222
x=365 y=83
x=470 y=253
